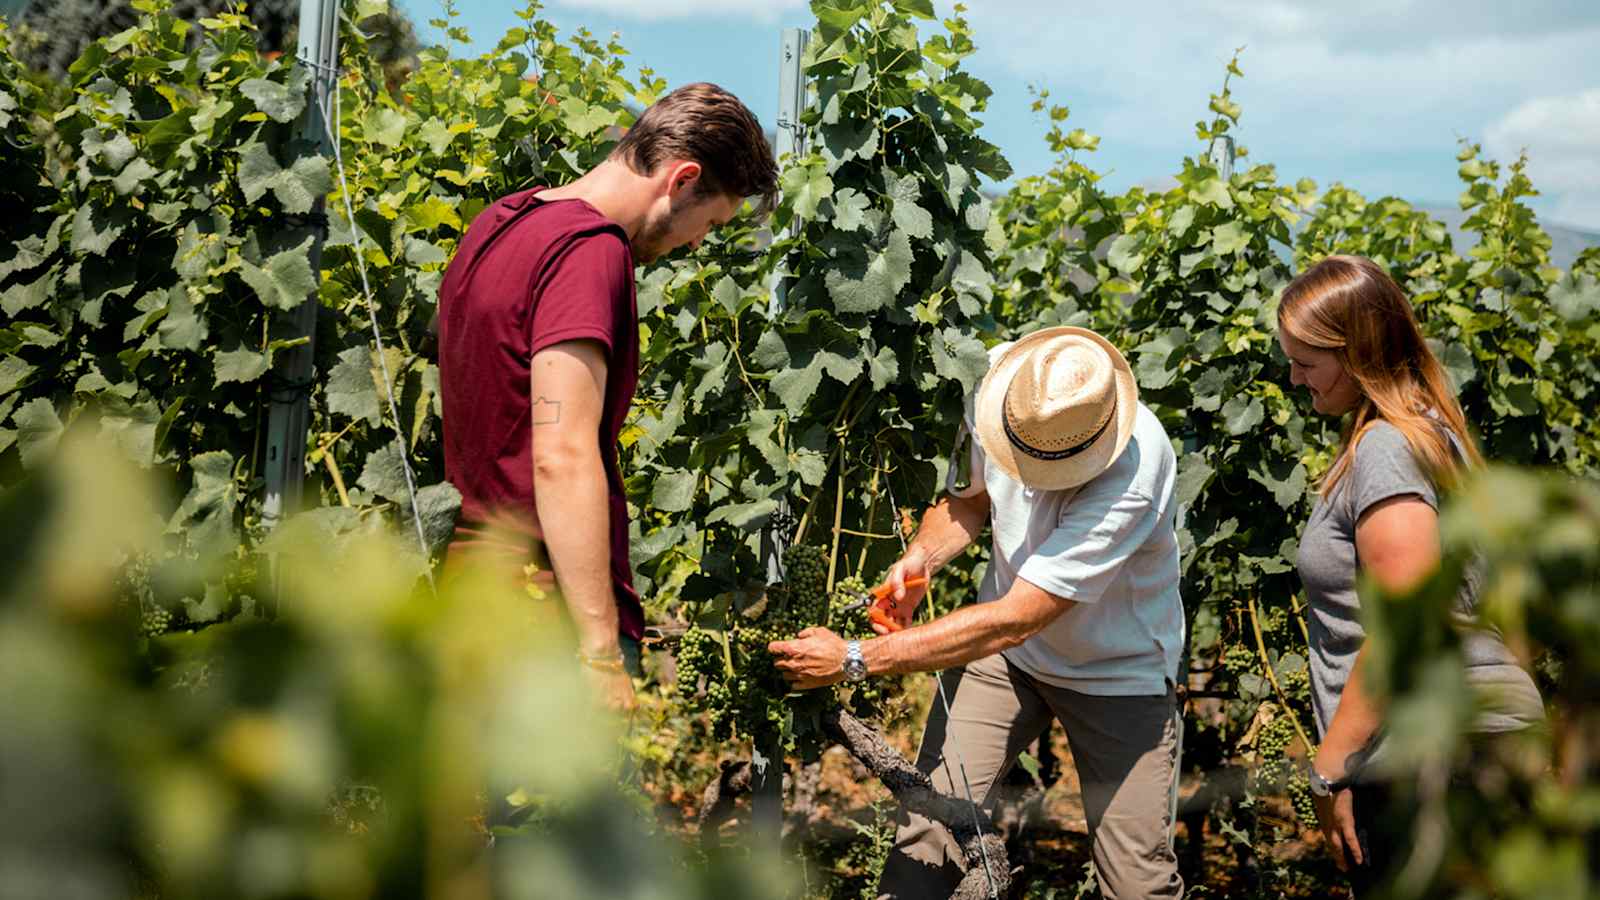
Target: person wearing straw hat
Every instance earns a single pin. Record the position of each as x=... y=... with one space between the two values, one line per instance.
x=1078 y=617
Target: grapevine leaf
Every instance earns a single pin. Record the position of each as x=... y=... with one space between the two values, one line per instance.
x=1229 y=238
x=439 y=505
x=908 y=215
x=239 y=364
x=134 y=432
x=868 y=289
x=384 y=473
x=842 y=366
x=883 y=368
x=114 y=151
x=133 y=175
x=810 y=465
x=1457 y=362
x=845 y=141
x=794 y=386
x=715 y=364
x=1242 y=413
x=384 y=126
x=209 y=608
x=27 y=295
x=14 y=372
x=1193 y=476
x=296 y=187
x=749 y=515
x=430 y=213
x=258 y=171
x=1125 y=254
x=38 y=430
x=806 y=186
x=1576 y=297
x=674 y=491
x=281 y=102
x=961 y=357
x=849 y=209
x=94 y=230
x=727 y=295
x=1208 y=390
x=351 y=389
x=1179 y=224
x=182 y=328
x=1212 y=191
x=205 y=516
x=286 y=280
x=27 y=253
x=305 y=181
x=1286 y=479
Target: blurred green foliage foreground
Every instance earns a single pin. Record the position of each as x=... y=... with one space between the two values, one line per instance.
x=1517 y=819
x=366 y=738
x=370 y=738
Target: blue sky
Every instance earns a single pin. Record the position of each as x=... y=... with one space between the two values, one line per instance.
x=1373 y=93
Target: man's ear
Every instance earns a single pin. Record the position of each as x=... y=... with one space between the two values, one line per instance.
x=682 y=177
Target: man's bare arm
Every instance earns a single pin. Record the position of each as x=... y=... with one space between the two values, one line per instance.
x=815 y=657
x=969 y=633
x=949 y=527
x=568 y=384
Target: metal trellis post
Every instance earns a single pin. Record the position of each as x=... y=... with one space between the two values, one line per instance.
x=290 y=407
x=767 y=785
x=1221 y=156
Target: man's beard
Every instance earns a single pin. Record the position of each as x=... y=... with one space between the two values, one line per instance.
x=650 y=243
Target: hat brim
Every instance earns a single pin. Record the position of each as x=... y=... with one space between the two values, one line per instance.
x=1053 y=475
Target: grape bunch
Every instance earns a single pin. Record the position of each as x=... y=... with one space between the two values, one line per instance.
x=727 y=672
x=1305 y=806
x=865 y=698
x=1280 y=771
x=154 y=620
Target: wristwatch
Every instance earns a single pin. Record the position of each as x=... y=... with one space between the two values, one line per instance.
x=1322 y=787
x=855 y=666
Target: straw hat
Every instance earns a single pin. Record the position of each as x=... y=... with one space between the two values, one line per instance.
x=1057 y=408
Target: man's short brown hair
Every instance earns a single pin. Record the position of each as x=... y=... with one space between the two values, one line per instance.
x=706 y=124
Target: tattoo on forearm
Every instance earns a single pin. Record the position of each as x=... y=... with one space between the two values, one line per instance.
x=546 y=412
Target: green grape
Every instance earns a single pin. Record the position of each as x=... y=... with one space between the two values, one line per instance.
x=154 y=621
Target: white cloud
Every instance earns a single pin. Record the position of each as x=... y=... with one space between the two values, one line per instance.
x=1561 y=135
x=657 y=10
x=1372 y=92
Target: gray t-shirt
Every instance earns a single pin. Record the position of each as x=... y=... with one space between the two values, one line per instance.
x=1384 y=467
x=1111 y=546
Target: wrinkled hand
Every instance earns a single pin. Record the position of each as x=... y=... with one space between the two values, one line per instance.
x=902 y=602
x=814 y=658
x=1336 y=813
x=614 y=688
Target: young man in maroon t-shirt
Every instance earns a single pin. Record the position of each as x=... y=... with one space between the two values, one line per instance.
x=539 y=347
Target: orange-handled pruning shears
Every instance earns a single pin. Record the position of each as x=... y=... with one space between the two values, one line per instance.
x=874 y=601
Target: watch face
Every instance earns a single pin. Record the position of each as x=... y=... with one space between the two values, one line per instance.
x=855 y=669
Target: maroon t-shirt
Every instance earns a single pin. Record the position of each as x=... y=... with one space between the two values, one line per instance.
x=530 y=274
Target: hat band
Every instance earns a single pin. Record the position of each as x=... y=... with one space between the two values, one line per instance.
x=1054 y=455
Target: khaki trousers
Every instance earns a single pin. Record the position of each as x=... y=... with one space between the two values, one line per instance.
x=1126 y=750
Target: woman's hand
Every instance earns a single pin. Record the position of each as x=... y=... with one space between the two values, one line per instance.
x=902 y=602
x=1336 y=813
x=814 y=658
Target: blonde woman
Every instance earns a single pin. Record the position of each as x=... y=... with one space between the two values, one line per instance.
x=1353 y=342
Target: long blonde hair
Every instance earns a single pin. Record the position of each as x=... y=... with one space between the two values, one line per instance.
x=1350 y=305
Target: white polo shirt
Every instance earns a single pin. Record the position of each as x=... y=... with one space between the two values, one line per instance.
x=1111 y=545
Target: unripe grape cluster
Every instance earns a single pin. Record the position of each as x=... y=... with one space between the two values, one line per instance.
x=154 y=620
x=729 y=674
x=1281 y=772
